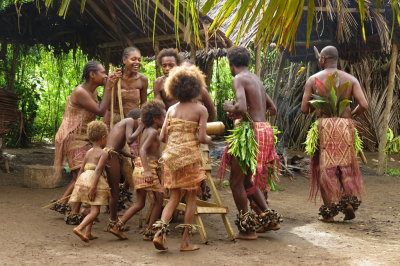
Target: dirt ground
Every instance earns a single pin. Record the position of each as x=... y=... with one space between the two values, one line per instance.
x=31 y=235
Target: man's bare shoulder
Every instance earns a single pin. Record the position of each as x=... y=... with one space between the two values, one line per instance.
x=347 y=76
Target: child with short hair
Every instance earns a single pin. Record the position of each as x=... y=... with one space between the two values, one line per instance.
x=146 y=177
x=91 y=186
x=183 y=130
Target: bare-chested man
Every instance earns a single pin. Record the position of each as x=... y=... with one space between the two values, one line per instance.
x=334 y=167
x=251 y=98
x=167 y=59
x=119 y=135
x=71 y=141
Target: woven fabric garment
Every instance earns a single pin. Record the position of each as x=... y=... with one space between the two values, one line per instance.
x=71 y=142
x=334 y=166
x=139 y=180
x=83 y=184
x=182 y=156
x=266 y=157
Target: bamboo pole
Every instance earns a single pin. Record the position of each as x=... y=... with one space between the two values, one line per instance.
x=388 y=107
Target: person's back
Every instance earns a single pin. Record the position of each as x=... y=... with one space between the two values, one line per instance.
x=334 y=167
x=255 y=95
x=182 y=156
x=343 y=77
x=190 y=111
x=328 y=60
x=250 y=100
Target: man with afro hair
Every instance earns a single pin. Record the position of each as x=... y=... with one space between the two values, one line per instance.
x=251 y=102
x=168 y=59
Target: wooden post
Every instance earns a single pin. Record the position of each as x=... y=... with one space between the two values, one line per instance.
x=192 y=53
x=107 y=60
x=258 y=60
x=13 y=69
x=279 y=75
x=388 y=107
x=209 y=71
x=156 y=52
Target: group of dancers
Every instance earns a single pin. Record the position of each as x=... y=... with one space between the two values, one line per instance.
x=154 y=147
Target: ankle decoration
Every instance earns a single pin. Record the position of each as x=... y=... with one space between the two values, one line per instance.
x=246 y=222
x=269 y=218
x=161 y=225
x=74 y=218
x=149 y=233
x=111 y=224
x=124 y=196
x=206 y=195
x=119 y=224
x=349 y=200
x=328 y=211
x=192 y=228
x=62 y=208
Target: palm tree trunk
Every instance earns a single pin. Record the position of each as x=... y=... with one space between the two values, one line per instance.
x=258 y=60
x=389 y=102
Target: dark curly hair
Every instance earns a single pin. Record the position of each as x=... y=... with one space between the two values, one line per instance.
x=150 y=110
x=90 y=66
x=169 y=52
x=134 y=113
x=96 y=130
x=184 y=83
x=238 y=56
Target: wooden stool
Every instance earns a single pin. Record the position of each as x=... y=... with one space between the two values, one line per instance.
x=208 y=207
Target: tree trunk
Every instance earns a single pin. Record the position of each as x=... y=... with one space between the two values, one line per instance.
x=192 y=53
x=388 y=107
x=13 y=68
x=209 y=71
x=156 y=52
x=258 y=60
x=279 y=75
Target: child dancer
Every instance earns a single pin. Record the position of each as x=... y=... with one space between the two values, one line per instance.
x=184 y=129
x=91 y=186
x=146 y=174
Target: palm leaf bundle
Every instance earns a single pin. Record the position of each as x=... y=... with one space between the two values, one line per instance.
x=243 y=145
x=329 y=98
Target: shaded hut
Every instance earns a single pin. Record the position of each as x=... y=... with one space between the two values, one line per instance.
x=103 y=28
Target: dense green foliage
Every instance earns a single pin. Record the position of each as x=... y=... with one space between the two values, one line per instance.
x=44 y=80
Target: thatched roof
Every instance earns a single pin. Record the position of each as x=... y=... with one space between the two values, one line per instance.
x=103 y=30
x=341 y=27
x=332 y=25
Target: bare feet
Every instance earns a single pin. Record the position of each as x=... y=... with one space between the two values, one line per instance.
x=246 y=236
x=189 y=248
x=91 y=237
x=147 y=238
x=274 y=227
x=327 y=220
x=80 y=234
x=118 y=233
x=159 y=241
x=349 y=213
